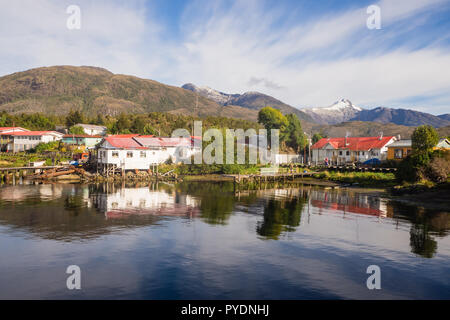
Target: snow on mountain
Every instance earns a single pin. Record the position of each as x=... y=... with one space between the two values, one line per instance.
x=340 y=111
x=217 y=96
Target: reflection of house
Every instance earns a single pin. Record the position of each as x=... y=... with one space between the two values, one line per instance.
x=399 y=149
x=347 y=203
x=43 y=192
x=141 y=152
x=92 y=129
x=25 y=140
x=143 y=201
x=82 y=140
x=350 y=149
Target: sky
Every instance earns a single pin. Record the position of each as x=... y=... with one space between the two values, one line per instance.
x=305 y=53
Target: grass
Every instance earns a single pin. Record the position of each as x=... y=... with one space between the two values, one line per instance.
x=23 y=159
x=360 y=178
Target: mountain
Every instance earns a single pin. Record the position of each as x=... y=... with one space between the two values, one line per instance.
x=340 y=111
x=343 y=111
x=253 y=101
x=57 y=90
x=445 y=116
x=401 y=116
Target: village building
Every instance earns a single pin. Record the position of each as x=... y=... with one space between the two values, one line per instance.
x=18 y=141
x=12 y=129
x=350 y=149
x=142 y=152
x=399 y=150
x=443 y=144
x=85 y=140
x=92 y=130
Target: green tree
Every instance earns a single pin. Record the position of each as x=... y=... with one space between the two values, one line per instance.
x=73 y=118
x=424 y=138
x=272 y=118
x=294 y=136
x=122 y=124
x=316 y=137
x=138 y=125
x=149 y=130
x=76 y=130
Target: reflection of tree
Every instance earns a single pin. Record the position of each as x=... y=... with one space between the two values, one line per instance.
x=280 y=216
x=74 y=203
x=217 y=200
x=421 y=242
x=425 y=225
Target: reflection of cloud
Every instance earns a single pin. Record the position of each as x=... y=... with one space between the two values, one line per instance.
x=264 y=82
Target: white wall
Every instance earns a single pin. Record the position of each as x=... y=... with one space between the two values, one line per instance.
x=22 y=143
x=152 y=156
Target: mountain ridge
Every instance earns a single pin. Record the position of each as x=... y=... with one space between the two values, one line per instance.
x=251 y=100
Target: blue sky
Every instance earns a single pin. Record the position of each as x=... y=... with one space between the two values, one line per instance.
x=305 y=53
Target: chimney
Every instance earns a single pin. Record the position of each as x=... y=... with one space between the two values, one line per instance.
x=381 y=135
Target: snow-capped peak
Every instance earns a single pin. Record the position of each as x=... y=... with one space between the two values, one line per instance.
x=341 y=110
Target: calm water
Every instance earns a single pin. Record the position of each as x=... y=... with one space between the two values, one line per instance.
x=203 y=241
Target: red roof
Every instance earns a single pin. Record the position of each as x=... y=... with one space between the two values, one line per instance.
x=353 y=143
x=12 y=128
x=123 y=142
x=128 y=135
x=80 y=136
x=31 y=133
x=163 y=142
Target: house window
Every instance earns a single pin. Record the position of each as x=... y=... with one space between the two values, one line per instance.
x=398 y=153
x=143 y=154
x=347 y=153
x=115 y=154
x=129 y=154
x=340 y=153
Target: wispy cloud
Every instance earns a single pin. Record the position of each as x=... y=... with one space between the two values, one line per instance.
x=303 y=57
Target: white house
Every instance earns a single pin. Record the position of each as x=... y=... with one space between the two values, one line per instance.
x=130 y=152
x=350 y=149
x=92 y=130
x=12 y=129
x=25 y=140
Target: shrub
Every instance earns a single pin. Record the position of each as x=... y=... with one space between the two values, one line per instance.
x=438 y=170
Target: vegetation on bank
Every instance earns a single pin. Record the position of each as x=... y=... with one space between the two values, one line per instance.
x=23 y=159
x=424 y=166
x=380 y=179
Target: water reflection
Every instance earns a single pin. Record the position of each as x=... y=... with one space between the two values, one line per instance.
x=123 y=202
x=209 y=240
x=70 y=212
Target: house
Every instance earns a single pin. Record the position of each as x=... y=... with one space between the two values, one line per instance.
x=25 y=140
x=399 y=149
x=82 y=140
x=142 y=152
x=403 y=148
x=350 y=149
x=12 y=129
x=92 y=130
x=443 y=144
